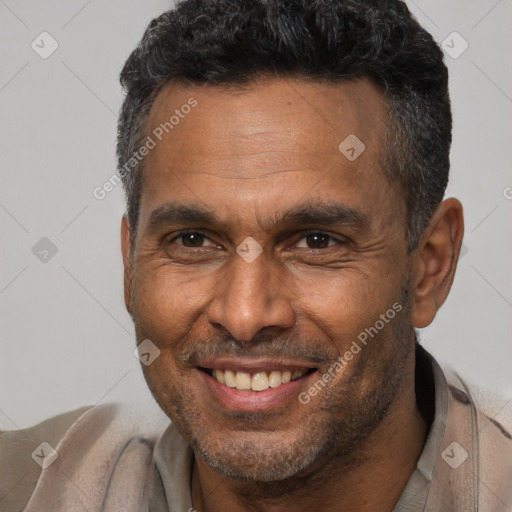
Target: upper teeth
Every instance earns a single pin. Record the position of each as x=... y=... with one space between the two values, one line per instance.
x=256 y=381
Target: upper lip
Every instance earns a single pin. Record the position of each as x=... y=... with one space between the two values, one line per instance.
x=255 y=365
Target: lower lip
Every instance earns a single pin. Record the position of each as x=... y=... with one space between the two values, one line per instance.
x=234 y=399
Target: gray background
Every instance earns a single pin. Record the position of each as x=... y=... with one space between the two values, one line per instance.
x=65 y=337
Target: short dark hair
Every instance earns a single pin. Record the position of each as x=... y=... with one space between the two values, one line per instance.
x=235 y=41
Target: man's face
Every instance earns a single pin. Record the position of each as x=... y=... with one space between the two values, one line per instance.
x=262 y=254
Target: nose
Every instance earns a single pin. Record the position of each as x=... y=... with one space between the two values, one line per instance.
x=249 y=298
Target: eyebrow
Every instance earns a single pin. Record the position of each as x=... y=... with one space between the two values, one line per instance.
x=311 y=213
x=326 y=214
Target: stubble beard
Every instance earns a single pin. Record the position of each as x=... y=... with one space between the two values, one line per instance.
x=326 y=442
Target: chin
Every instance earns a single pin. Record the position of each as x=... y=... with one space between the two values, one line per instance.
x=259 y=456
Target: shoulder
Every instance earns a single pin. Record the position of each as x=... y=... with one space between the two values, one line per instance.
x=89 y=443
x=491 y=442
x=494 y=438
x=493 y=425
x=22 y=454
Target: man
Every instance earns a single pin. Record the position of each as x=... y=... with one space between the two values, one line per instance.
x=285 y=163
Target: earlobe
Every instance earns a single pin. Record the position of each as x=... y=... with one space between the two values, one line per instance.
x=435 y=261
x=127 y=263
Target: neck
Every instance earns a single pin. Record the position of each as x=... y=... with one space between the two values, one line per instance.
x=371 y=479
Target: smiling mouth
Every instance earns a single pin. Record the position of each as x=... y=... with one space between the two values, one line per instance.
x=260 y=381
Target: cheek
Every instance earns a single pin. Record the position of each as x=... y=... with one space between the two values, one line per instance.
x=168 y=301
x=345 y=303
x=166 y=306
x=357 y=312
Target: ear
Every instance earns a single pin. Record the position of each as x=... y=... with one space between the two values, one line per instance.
x=127 y=263
x=435 y=260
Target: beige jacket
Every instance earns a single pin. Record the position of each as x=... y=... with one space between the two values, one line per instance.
x=107 y=458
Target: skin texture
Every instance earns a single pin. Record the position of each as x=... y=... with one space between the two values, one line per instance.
x=247 y=155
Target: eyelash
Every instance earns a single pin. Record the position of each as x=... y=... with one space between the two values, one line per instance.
x=189 y=232
x=304 y=235
x=331 y=238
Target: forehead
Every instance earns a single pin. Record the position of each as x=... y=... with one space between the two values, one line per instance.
x=267 y=143
x=275 y=113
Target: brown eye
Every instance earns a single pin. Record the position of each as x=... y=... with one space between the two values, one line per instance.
x=192 y=247
x=189 y=239
x=316 y=241
x=192 y=239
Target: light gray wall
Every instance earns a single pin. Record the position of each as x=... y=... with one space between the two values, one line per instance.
x=66 y=339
